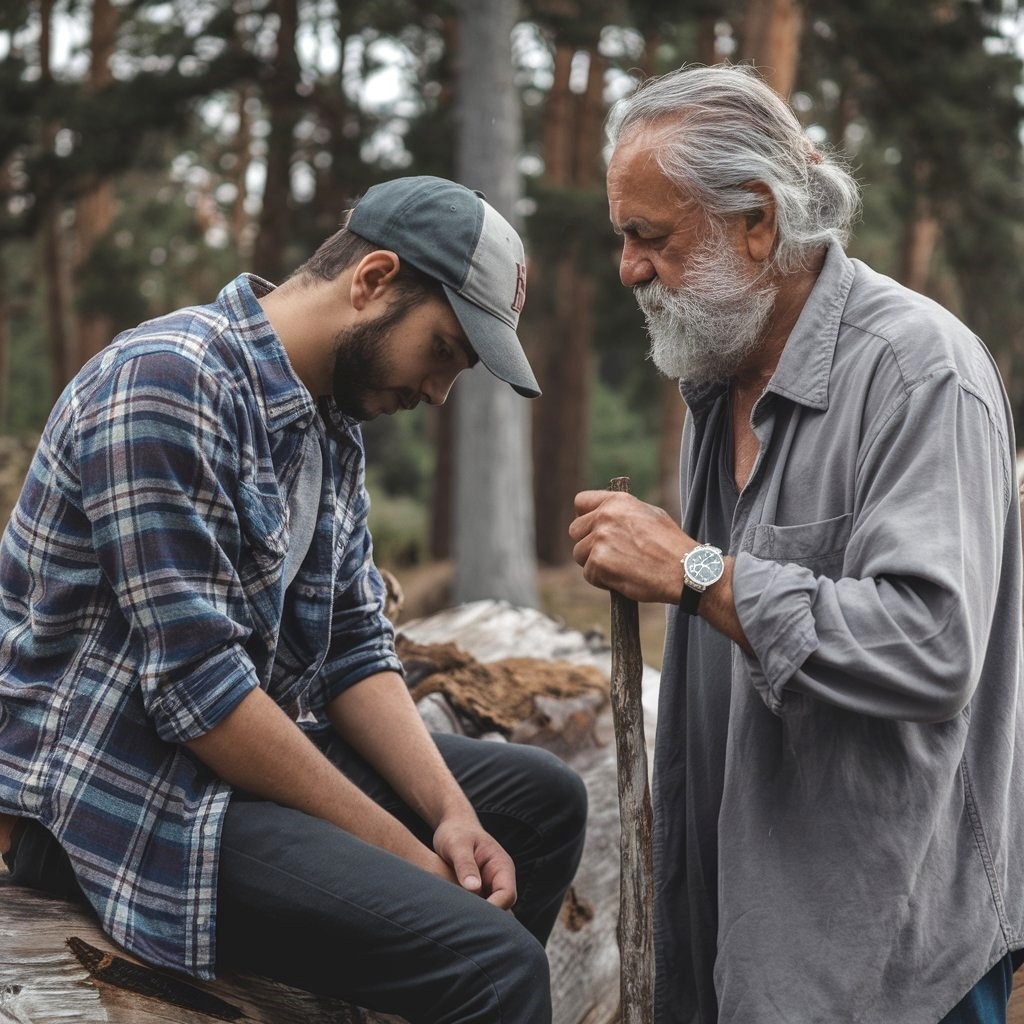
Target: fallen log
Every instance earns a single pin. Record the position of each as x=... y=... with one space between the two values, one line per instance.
x=47 y=979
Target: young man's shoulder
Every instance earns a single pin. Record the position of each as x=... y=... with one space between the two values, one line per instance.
x=191 y=351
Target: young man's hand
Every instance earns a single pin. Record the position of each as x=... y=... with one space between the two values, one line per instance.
x=479 y=862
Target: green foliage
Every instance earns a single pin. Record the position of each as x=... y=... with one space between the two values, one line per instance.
x=30 y=392
x=896 y=86
x=398 y=524
x=400 y=453
x=622 y=443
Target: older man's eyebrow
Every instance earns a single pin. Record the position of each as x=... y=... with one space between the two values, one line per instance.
x=632 y=226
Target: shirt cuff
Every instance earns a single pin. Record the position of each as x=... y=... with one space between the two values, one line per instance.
x=357 y=666
x=192 y=706
x=773 y=604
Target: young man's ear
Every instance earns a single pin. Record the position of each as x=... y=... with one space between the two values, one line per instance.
x=372 y=277
x=760 y=225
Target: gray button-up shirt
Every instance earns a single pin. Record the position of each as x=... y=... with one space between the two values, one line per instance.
x=839 y=818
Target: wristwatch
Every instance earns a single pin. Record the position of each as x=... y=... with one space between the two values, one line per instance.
x=702 y=567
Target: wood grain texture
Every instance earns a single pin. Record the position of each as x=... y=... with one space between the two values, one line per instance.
x=42 y=982
x=636 y=889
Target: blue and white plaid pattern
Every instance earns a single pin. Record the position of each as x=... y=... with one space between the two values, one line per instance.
x=141 y=599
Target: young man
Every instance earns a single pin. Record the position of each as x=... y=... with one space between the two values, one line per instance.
x=205 y=731
x=839 y=769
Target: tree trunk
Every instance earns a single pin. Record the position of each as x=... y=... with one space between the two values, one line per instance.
x=241 y=152
x=707 y=40
x=771 y=39
x=5 y=326
x=96 y=207
x=54 y=263
x=283 y=109
x=494 y=528
x=572 y=133
x=921 y=233
x=558 y=120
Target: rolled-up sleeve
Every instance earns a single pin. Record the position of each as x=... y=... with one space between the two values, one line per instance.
x=900 y=629
x=157 y=476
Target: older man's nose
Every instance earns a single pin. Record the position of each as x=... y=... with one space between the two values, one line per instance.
x=634 y=268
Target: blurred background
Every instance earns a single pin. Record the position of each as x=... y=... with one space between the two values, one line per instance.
x=150 y=151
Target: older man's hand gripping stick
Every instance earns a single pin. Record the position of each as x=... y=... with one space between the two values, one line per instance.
x=625 y=545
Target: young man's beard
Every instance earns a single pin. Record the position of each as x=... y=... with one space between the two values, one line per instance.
x=703 y=330
x=361 y=366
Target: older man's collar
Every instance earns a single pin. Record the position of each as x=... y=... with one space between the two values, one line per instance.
x=806 y=362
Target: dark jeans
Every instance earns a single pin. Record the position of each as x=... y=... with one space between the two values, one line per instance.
x=306 y=903
x=986 y=1002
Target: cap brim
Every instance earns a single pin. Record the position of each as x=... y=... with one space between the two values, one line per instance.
x=496 y=343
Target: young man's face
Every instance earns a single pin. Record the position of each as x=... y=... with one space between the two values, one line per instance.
x=386 y=365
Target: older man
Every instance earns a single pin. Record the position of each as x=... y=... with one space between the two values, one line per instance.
x=839 y=771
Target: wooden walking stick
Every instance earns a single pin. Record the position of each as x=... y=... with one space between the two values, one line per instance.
x=636 y=884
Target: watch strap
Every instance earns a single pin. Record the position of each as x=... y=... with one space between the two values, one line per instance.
x=689 y=600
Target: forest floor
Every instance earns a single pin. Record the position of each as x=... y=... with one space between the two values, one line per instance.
x=564 y=595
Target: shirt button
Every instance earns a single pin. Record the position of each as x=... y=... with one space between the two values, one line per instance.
x=210 y=830
x=201 y=921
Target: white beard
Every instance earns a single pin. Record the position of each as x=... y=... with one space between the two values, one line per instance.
x=703 y=330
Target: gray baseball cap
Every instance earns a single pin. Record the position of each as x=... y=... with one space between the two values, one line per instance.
x=452 y=234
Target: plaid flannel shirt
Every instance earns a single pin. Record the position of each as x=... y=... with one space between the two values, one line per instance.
x=141 y=599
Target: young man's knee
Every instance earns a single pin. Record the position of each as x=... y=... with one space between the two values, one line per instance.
x=523 y=989
x=562 y=797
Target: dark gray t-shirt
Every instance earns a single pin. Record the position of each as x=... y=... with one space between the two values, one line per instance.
x=859 y=857
x=303 y=499
x=708 y=660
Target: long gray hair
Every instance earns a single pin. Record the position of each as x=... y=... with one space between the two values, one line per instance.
x=721 y=128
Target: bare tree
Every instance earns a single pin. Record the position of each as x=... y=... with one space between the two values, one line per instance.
x=494 y=526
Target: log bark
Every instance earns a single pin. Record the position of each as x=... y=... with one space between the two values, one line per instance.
x=44 y=981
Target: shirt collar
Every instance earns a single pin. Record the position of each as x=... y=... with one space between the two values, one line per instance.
x=283 y=399
x=806 y=362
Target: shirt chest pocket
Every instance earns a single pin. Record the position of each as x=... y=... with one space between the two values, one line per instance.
x=263 y=520
x=819 y=546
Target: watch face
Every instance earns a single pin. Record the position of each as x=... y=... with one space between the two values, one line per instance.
x=704 y=566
